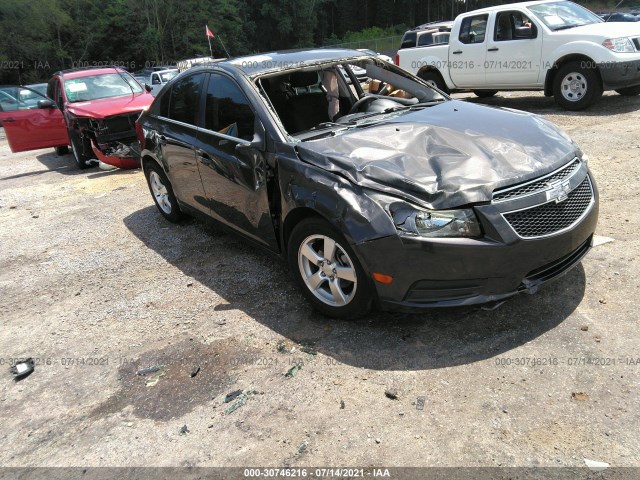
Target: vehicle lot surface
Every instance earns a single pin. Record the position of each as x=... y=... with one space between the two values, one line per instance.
x=95 y=285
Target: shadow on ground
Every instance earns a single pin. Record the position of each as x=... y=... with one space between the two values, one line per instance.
x=259 y=285
x=536 y=102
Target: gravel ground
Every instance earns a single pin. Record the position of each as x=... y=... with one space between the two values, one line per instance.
x=95 y=285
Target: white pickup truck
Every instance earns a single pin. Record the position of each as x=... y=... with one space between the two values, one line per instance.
x=555 y=46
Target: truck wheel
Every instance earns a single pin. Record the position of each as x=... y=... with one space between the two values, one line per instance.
x=485 y=93
x=575 y=87
x=629 y=91
x=435 y=80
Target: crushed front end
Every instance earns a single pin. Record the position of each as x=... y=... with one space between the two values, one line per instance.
x=112 y=139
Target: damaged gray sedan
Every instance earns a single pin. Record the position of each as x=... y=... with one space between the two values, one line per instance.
x=379 y=191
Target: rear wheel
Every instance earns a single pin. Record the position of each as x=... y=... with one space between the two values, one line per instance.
x=328 y=271
x=162 y=193
x=62 y=150
x=629 y=91
x=485 y=93
x=435 y=80
x=576 y=87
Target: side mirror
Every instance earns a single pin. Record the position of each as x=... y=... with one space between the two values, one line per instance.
x=524 y=32
x=46 y=103
x=148 y=87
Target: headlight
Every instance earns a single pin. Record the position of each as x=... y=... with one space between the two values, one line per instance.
x=619 y=45
x=412 y=220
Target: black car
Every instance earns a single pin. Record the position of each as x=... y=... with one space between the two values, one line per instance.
x=408 y=201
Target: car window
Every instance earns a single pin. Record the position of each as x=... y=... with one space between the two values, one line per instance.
x=168 y=76
x=185 y=99
x=514 y=26
x=227 y=109
x=472 y=29
x=409 y=40
x=19 y=98
x=425 y=39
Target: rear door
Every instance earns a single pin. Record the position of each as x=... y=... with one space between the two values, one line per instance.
x=26 y=125
x=232 y=165
x=467 y=52
x=176 y=131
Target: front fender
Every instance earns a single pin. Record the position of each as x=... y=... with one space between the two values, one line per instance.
x=342 y=204
x=580 y=48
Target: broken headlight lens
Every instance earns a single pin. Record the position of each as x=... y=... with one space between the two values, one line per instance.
x=412 y=220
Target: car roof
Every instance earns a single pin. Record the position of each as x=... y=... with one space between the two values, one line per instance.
x=255 y=65
x=87 y=72
x=432 y=26
x=165 y=71
x=512 y=5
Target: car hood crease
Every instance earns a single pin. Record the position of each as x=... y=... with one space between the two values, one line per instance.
x=444 y=156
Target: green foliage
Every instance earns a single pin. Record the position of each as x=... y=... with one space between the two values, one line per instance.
x=38 y=37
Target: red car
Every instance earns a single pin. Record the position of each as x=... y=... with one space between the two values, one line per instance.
x=93 y=110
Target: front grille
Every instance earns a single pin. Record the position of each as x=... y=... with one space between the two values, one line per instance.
x=537 y=185
x=552 y=217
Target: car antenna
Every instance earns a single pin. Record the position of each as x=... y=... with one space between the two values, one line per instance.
x=614 y=9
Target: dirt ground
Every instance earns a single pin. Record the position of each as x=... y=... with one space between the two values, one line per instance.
x=95 y=285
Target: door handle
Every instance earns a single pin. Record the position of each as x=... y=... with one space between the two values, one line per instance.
x=494 y=49
x=204 y=158
x=8 y=120
x=457 y=52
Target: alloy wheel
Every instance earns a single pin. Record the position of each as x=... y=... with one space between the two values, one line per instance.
x=327 y=270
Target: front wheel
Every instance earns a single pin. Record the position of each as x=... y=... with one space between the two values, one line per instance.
x=79 y=147
x=162 y=193
x=629 y=91
x=575 y=87
x=327 y=270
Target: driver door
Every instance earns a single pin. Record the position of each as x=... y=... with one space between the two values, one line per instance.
x=27 y=125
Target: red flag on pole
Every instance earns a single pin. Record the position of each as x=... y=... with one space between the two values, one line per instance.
x=208 y=32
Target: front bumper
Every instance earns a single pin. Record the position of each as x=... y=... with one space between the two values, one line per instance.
x=116 y=161
x=452 y=272
x=616 y=75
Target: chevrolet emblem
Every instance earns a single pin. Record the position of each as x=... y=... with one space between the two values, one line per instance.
x=558 y=191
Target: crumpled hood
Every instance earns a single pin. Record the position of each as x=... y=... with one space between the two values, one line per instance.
x=444 y=156
x=106 y=107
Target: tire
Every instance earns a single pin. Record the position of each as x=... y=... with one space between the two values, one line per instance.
x=162 y=193
x=575 y=87
x=629 y=91
x=435 y=80
x=485 y=93
x=78 y=147
x=62 y=150
x=348 y=295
